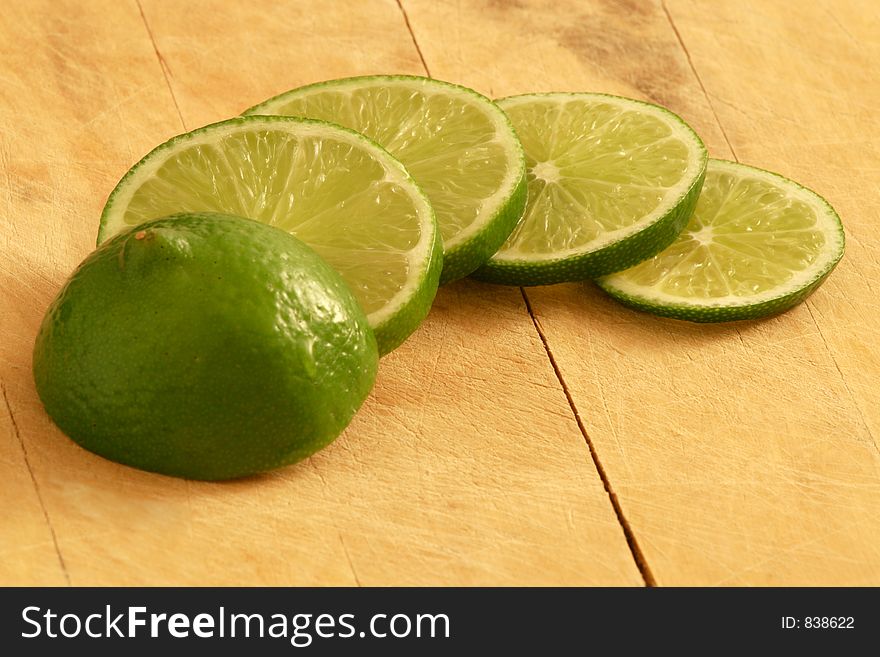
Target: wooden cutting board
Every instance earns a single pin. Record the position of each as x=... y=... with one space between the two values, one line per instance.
x=539 y=437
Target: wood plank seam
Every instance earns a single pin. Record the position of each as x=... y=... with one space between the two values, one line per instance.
x=30 y=470
x=699 y=80
x=413 y=37
x=163 y=65
x=631 y=541
x=843 y=378
x=636 y=551
x=807 y=303
x=357 y=580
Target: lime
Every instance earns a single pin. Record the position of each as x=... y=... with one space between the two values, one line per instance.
x=204 y=346
x=612 y=181
x=456 y=143
x=756 y=245
x=332 y=188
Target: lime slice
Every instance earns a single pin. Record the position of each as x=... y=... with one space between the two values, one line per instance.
x=612 y=181
x=334 y=189
x=457 y=144
x=756 y=245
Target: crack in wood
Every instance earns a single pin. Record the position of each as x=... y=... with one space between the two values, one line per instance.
x=413 y=37
x=634 y=548
x=350 y=562
x=849 y=391
x=632 y=543
x=30 y=470
x=166 y=70
x=690 y=62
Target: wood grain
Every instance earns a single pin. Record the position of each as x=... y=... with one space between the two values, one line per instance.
x=739 y=454
x=466 y=465
x=79 y=101
x=28 y=554
x=221 y=58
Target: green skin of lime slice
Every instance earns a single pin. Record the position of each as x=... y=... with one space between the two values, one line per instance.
x=614 y=257
x=459 y=171
x=824 y=254
x=204 y=346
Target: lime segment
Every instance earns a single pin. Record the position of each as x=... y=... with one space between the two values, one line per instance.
x=334 y=189
x=612 y=181
x=457 y=144
x=756 y=245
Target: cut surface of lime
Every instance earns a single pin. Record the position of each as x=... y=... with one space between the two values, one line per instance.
x=457 y=144
x=612 y=181
x=756 y=245
x=334 y=189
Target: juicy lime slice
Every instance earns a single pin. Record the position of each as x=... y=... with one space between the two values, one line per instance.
x=612 y=181
x=334 y=189
x=457 y=144
x=756 y=245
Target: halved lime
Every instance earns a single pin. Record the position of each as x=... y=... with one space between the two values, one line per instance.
x=612 y=181
x=334 y=189
x=456 y=143
x=204 y=346
x=756 y=245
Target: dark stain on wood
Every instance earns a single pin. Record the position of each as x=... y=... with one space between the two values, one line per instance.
x=627 y=40
x=621 y=38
